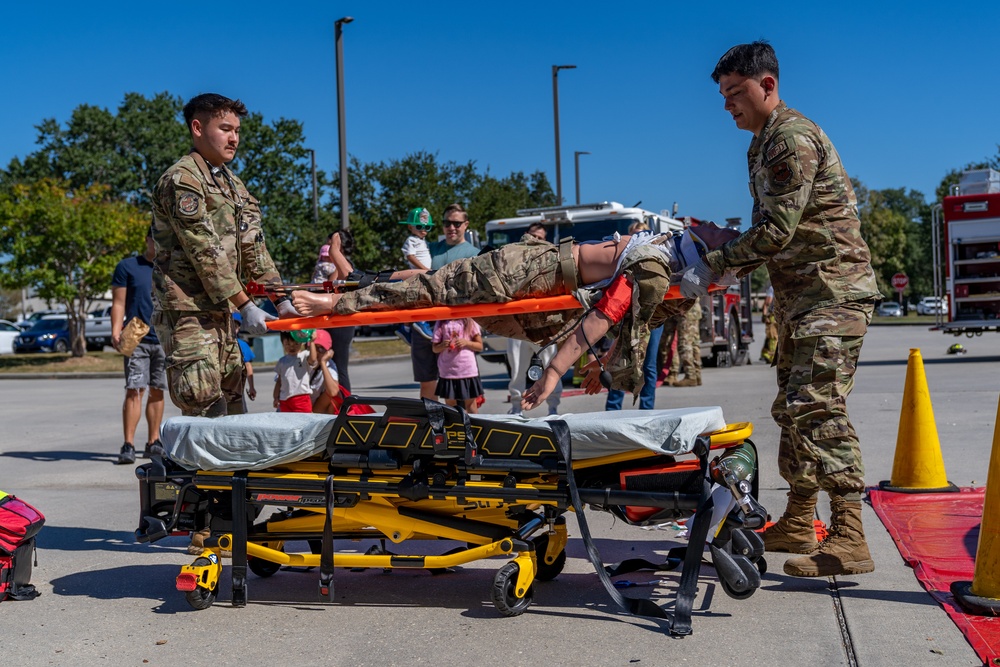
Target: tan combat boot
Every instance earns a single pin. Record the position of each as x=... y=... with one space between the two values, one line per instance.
x=844 y=551
x=688 y=382
x=794 y=532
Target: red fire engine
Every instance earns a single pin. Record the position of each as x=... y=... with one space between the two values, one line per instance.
x=966 y=243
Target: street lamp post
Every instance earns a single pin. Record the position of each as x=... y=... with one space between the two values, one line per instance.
x=555 y=110
x=312 y=154
x=576 y=164
x=338 y=31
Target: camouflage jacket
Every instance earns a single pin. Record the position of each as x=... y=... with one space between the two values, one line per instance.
x=201 y=258
x=805 y=222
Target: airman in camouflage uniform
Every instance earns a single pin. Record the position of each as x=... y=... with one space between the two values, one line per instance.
x=806 y=229
x=688 y=357
x=209 y=242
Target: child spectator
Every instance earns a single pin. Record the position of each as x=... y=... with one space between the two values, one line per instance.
x=456 y=343
x=324 y=268
x=323 y=380
x=415 y=249
x=292 y=392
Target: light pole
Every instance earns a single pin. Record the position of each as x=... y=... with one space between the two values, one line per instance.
x=312 y=155
x=555 y=110
x=338 y=33
x=576 y=164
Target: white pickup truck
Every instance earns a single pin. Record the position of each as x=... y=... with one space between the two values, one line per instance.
x=97 y=329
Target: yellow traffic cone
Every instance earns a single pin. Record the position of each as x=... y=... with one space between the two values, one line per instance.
x=981 y=596
x=918 y=466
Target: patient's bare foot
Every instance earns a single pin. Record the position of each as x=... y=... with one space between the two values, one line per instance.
x=310 y=304
x=713 y=235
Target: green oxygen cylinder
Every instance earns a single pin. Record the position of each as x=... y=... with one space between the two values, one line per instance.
x=735 y=464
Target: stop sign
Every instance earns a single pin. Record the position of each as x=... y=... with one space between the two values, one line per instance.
x=900 y=281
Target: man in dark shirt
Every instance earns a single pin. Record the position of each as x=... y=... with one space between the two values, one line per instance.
x=132 y=296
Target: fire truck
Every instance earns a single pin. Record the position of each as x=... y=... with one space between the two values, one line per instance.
x=965 y=231
x=726 y=323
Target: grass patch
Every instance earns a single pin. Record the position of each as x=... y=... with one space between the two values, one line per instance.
x=111 y=362
x=92 y=362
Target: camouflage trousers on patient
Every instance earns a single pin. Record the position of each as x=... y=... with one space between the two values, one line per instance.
x=817 y=356
x=515 y=271
x=205 y=371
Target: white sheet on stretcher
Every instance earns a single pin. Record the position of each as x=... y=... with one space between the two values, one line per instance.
x=260 y=441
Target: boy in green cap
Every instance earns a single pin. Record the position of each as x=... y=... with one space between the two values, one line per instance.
x=415 y=249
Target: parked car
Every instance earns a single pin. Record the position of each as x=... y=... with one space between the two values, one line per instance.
x=49 y=334
x=930 y=305
x=30 y=320
x=8 y=332
x=889 y=309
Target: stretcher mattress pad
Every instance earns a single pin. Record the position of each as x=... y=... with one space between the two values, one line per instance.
x=260 y=441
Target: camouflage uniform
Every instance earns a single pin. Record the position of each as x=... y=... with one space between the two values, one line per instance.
x=531 y=269
x=806 y=228
x=208 y=235
x=688 y=357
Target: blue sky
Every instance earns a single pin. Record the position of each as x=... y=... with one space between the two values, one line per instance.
x=906 y=91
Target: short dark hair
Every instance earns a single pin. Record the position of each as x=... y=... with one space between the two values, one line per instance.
x=535 y=225
x=210 y=105
x=750 y=60
x=346 y=242
x=455 y=208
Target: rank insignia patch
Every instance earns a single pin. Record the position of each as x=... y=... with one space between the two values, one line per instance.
x=188 y=203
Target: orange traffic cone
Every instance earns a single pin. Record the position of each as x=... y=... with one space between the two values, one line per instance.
x=981 y=596
x=918 y=466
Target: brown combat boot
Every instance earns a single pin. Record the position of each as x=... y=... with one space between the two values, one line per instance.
x=844 y=551
x=688 y=382
x=794 y=532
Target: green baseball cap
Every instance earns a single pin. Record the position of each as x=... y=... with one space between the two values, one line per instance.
x=418 y=217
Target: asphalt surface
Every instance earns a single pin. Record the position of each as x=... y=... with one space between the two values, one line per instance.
x=108 y=600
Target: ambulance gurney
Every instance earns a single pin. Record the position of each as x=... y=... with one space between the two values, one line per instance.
x=497 y=485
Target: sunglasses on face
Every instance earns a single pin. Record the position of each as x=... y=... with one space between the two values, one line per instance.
x=453 y=223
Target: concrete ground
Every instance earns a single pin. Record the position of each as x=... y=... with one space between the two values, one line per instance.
x=107 y=600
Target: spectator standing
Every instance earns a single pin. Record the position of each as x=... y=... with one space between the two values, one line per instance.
x=132 y=296
x=455 y=343
x=246 y=352
x=688 y=357
x=292 y=389
x=452 y=247
x=340 y=251
x=770 y=326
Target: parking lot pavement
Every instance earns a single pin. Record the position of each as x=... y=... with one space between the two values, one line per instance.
x=106 y=599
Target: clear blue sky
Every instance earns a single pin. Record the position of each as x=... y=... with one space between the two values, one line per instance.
x=906 y=91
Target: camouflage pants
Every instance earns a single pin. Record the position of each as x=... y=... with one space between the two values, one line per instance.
x=688 y=355
x=770 y=338
x=817 y=356
x=205 y=371
x=515 y=271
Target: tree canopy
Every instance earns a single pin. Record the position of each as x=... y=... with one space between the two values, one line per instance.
x=66 y=243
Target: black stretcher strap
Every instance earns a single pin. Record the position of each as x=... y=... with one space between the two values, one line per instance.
x=471 y=447
x=239 y=545
x=635 y=606
x=326 y=551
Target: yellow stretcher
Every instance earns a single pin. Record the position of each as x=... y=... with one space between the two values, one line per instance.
x=419 y=470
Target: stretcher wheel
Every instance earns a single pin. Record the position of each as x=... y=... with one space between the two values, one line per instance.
x=201 y=598
x=262 y=567
x=734 y=594
x=503 y=595
x=544 y=571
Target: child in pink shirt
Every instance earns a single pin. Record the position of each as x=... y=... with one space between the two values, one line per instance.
x=456 y=343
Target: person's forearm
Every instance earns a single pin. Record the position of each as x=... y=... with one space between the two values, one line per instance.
x=594 y=326
x=438 y=348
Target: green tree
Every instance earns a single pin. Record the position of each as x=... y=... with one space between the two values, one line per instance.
x=125 y=151
x=65 y=244
x=274 y=163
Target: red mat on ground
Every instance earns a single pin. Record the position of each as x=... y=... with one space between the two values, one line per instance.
x=937 y=535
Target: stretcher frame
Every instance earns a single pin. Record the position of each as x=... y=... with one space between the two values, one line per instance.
x=452 y=480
